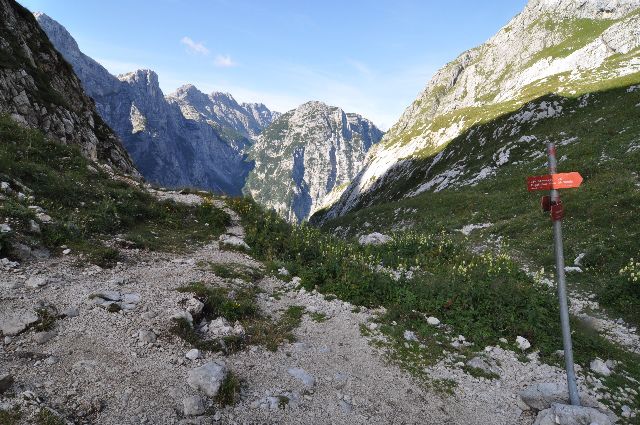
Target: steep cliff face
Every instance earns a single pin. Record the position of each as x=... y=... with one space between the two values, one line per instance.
x=222 y=111
x=38 y=88
x=306 y=154
x=185 y=139
x=553 y=46
x=167 y=147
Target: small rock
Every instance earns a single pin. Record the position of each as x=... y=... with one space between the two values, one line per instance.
x=600 y=367
x=578 y=261
x=71 y=311
x=132 y=298
x=193 y=406
x=109 y=295
x=51 y=360
x=572 y=269
x=34 y=227
x=283 y=272
x=299 y=373
x=6 y=380
x=433 y=321
x=193 y=354
x=66 y=251
x=233 y=241
x=44 y=337
x=147 y=337
x=5 y=228
x=183 y=315
x=503 y=340
x=523 y=343
x=208 y=377
x=346 y=407
x=117 y=280
x=194 y=306
x=410 y=335
x=35 y=282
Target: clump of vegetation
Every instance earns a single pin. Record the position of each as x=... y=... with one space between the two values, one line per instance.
x=224 y=302
x=239 y=304
x=318 y=317
x=46 y=417
x=10 y=417
x=476 y=372
x=236 y=271
x=229 y=392
x=46 y=320
x=226 y=344
x=88 y=206
x=271 y=334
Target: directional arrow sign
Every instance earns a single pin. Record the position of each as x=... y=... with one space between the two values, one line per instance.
x=554 y=181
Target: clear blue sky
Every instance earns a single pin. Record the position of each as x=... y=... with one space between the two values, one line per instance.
x=371 y=57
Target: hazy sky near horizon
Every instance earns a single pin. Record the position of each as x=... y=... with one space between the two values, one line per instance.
x=368 y=57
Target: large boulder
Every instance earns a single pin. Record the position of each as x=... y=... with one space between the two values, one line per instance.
x=542 y=396
x=17 y=323
x=374 y=238
x=565 y=414
x=208 y=378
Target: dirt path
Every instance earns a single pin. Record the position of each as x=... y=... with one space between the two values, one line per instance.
x=101 y=367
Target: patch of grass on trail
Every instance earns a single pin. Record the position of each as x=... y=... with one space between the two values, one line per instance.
x=241 y=305
x=229 y=392
x=483 y=297
x=235 y=271
x=87 y=205
x=10 y=417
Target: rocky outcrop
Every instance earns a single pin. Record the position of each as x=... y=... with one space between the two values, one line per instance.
x=39 y=89
x=306 y=154
x=222 y=111
x=188 y=139
x=553 y=46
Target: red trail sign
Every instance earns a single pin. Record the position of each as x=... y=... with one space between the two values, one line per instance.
x=554 y=181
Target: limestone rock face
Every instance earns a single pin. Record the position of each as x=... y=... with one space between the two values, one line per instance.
x=39 y=89
x=553 y=46
x=222 y=111
x=305 y=154
x=187 y=139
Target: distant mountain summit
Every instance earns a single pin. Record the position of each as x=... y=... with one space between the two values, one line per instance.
x=187 y=139
x=306 y=154
x=565 y=47
x=39 y=89
x=222 y=110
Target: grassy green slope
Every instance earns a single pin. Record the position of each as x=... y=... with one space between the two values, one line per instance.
x=601 y=140
x=87 y=206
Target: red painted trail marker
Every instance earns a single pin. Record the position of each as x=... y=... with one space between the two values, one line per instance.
x=553 y=205
x=554 y=181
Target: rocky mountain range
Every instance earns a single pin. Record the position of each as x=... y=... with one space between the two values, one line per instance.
x=186 y=139
x=552 y=46
x=306 y=154
x=40 y=90
x=189 y=138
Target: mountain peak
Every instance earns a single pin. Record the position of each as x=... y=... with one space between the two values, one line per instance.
x=592 y=9
x=54 y=29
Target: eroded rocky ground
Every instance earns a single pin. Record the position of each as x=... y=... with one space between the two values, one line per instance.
x=95 y=345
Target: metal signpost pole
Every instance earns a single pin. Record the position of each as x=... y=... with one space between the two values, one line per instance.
x=556 y=204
